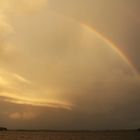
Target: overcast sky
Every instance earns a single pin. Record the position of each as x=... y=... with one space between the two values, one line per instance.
x=67 y=64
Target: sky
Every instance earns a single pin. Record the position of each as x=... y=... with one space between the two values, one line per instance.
x=69 y=65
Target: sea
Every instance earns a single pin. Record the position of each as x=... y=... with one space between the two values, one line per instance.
x=70 y=135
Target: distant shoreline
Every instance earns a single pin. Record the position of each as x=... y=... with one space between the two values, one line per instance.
x=74 y=131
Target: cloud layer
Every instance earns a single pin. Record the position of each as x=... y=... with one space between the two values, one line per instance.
x=56 y=74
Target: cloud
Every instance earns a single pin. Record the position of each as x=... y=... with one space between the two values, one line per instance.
x=22 y=5
x=11 y=80
x=34 y=102
x=62 y=69
x=15 y=89
x=58 y=70
x=117 y=20
x=15 y=7
x=5 y=32
x=22 y=115
x=12 y=83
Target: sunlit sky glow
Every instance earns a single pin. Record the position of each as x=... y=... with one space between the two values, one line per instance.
x=69 y=64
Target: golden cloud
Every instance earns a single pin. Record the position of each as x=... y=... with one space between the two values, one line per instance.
x=25 y=115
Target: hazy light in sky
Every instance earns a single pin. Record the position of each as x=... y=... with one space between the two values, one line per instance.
x=57 y=67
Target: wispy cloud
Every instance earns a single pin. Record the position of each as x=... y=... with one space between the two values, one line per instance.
x=12 y=84
x=34 y=102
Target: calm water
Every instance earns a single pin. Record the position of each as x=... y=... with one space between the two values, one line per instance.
x=115 y=135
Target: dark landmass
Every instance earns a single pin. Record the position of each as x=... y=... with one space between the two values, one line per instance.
x=3 y=129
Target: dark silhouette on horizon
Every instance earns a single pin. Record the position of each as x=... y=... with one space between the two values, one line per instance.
x=3 y=129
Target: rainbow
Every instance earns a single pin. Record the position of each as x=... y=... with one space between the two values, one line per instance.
x=111 y=45
x=99 y=35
